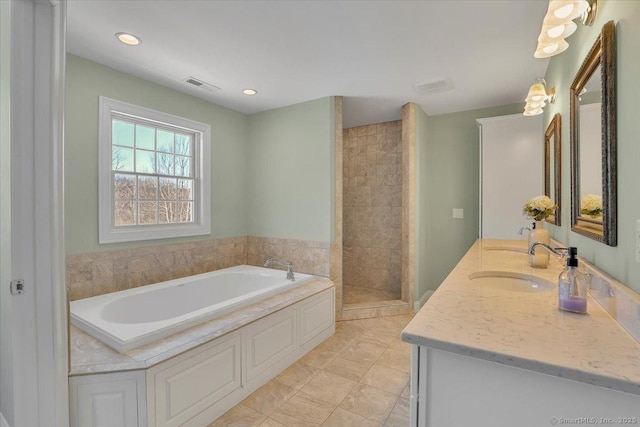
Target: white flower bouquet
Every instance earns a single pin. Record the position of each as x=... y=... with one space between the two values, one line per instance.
x=591 y=205
x=539 y=208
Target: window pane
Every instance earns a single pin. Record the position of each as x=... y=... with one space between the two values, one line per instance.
x=148 y=212
x=183 y=166
x=122 y=159
x=147 y=188
x=167 y=189
x=122 y=133
x=165 y=164
x=125 y=213
x=183 y=144
x=124 y=186
x=145 y=137
x=165 y=141
x=185 y=212
x=185 y=189
x=145 y=161
x=168 y=212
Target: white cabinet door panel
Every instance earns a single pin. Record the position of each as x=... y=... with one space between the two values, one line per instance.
x=188 y=387
x=316 y=315
x=270 y=340
x=111 y=400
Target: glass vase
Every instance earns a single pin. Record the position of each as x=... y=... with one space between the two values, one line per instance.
x=541 y=257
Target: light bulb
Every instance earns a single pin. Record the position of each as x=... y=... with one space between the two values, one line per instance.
x=555 y=31
x=564 y=11
x=534 y=112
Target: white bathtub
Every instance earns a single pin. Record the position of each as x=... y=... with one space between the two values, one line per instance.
x=128 y=319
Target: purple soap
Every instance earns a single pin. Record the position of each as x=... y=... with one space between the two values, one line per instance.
x=574 y=304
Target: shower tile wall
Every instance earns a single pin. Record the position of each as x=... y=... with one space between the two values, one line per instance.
x=372 y=209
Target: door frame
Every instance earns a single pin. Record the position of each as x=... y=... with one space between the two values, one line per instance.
x=39 y=332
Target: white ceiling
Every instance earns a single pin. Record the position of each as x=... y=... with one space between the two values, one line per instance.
x=370 y=52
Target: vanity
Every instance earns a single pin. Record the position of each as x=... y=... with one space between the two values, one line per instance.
x=490 y=350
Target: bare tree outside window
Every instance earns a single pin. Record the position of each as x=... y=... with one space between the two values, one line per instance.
x=153 y=177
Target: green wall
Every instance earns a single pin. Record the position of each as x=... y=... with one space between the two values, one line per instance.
x=290 y=168
x=447 y=174
x=86 y=81
x=617 y=261
x=273 y=173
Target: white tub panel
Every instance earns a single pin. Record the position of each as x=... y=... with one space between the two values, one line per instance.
x=188 y=387
x=268 y=342
x=316 y=315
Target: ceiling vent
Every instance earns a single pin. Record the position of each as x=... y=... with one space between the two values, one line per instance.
x=202 y=85
x=435 y=86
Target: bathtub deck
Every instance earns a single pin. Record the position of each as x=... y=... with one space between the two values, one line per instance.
x=90 y=356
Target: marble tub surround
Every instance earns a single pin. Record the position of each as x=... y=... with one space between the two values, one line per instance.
x=307 y=256
x=90 y=356
x=525 y=330
x=372 y=206
x=99 y=273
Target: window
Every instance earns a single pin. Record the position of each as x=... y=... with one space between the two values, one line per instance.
x=153 y=182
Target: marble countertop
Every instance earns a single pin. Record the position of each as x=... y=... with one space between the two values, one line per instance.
x=525 y=330
x=90 y=356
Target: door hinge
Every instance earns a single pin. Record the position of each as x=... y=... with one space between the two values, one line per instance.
x=17 y=287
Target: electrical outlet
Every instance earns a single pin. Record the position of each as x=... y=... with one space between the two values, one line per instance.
x=638 y=240
x=458 y=213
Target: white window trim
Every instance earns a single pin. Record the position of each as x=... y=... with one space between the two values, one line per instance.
x=108 y=233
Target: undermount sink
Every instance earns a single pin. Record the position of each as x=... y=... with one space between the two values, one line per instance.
x=512 y=282
x=505 y=248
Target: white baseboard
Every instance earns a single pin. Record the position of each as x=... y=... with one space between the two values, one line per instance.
x=423 y=299
x=3 y=421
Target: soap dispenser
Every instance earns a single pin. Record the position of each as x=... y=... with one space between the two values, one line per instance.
x=572 y=285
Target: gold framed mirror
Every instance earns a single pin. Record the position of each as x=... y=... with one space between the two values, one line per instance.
x=552 y=171
x=593 y=142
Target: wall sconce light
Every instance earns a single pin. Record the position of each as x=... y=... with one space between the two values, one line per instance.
x=558 y=24
x=537 y=98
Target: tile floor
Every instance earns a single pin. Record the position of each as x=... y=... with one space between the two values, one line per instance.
x=358 y=377
x=357 y=294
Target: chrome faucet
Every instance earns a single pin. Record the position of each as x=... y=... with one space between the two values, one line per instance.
x=288 y=265
x=562 y=252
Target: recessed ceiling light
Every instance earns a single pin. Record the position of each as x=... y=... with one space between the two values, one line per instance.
x=129 y=39
x=249 y=92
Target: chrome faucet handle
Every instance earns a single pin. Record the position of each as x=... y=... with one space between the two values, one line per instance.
x=562 y=251
x=562 y=254
x=290 y=275
x=288 y=265
x=521 y=231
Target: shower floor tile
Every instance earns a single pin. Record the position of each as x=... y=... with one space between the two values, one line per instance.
x=356 y=294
